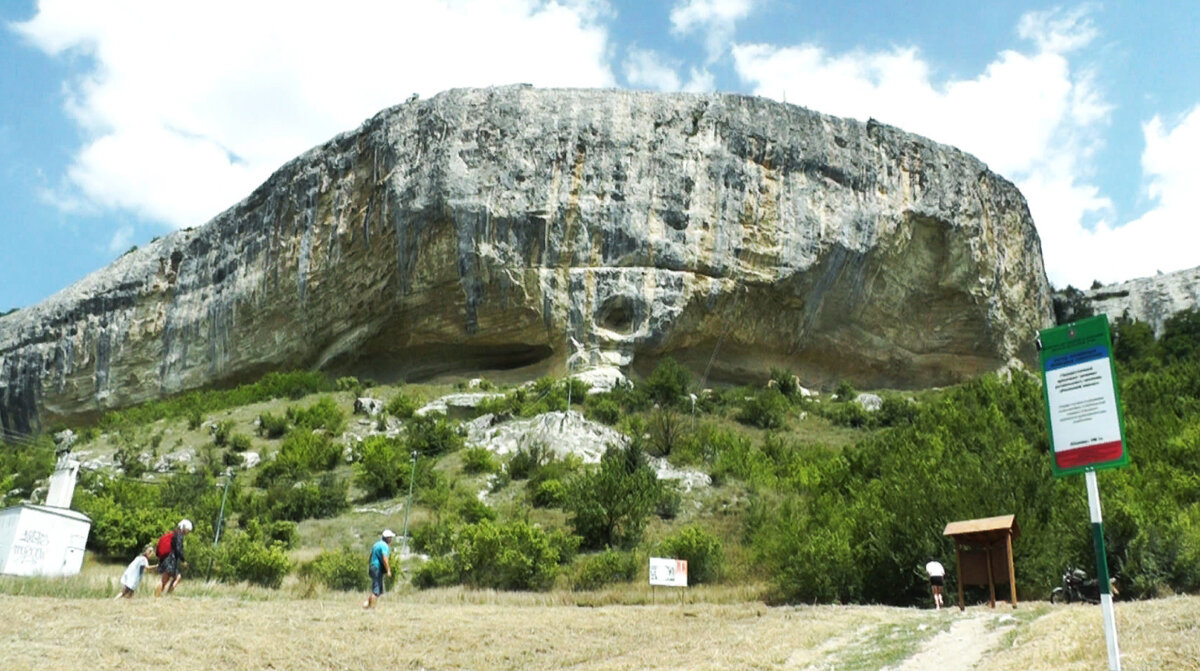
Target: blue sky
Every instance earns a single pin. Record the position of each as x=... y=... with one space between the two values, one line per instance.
x=123 y=120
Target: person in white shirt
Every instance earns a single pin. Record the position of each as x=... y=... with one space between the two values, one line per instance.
x=937 y=579
x=132 y=576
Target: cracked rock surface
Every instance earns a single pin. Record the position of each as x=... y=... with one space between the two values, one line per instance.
x=514 y=228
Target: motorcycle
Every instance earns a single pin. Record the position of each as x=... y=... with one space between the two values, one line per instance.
x=1076 y=586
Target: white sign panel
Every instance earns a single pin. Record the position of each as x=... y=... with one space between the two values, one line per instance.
x=1084 y=421
x=668 y=572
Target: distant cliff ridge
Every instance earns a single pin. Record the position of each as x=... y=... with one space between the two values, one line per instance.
x=1147 y=299
x=487 y=229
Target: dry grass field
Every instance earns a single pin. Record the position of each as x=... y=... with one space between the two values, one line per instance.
x=213 y=627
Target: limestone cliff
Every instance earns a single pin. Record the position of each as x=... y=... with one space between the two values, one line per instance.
x=515 y=227
x=1148 y=299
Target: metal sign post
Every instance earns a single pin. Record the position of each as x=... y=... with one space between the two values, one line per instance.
x=408 y=503
x=1083 y=410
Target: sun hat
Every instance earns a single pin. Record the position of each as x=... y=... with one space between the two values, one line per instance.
x=185 y=525
x=388 y=533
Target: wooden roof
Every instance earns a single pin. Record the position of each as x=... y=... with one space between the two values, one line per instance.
x=984 y=528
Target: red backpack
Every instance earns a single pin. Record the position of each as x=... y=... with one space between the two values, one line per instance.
x=164 y=545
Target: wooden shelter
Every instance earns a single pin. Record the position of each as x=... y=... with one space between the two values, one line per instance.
x=983 y=550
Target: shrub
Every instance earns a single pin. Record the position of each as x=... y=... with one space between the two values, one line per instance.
x=309 y=500
x=433 y=434
x=473 y=511
x=845 y=392
x=222 y=432
x=785 y=381
x=527 y=460
x=701 y=549
x=437 y=572
x=549 y=494
x=512 y=556
x=667 y=429
x=603 y=408
x=610 y=505
x=480 y=460
x=382 y=467
x=324 y=414
x=310 y=451
x=271 y=426
x=21 y=468
x=401 y=406
x=668 y=384
x=605 y=568
x=240 y=557
x=767 y=410
x=240 y=442
x=343 y=569
x=350 y=384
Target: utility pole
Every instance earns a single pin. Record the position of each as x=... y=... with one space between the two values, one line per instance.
x=408 y=504
x=220 y=519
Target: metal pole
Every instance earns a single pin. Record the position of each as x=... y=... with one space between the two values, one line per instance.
x=408 y=504
x=1106 y=604
x=220 y=519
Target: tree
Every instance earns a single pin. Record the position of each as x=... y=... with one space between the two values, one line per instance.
x=609 y=506
x=668 y=384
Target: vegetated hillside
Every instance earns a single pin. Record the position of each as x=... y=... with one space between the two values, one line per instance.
x=820 y=499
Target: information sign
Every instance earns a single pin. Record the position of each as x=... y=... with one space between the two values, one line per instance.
x=668 y=572
x=1082 y=402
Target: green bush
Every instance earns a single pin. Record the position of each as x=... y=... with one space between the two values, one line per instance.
x=401 y=406
x=603 y=408
x=21 y=468
x=382 y=467
x=609 y=506
x=222 y=432
x=767 y=410
x=241 y=558
x=324 y=414
x=701 y=549
x=309 y=500
x=432 y=434
x=473 y=511
x=343 y=569
x=527 y=460
x=512 y=556
x=240 y=442
x=437 y=572
x=549 y=494
x=602 y=569
x=480 y=460
x=272 y=426
x=668 y=384
x=350 y=384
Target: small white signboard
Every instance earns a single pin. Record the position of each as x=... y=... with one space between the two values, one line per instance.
x=668 y=572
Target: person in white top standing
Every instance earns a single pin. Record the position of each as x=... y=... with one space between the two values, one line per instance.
x=132 y=576
x=937 y=579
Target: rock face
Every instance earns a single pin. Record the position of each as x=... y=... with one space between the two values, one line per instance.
x=491 y=229
x=1148 y=299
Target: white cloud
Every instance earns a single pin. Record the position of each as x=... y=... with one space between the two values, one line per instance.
x=645 y=68
x=700 y=81
x=1034 y=116
x=716 y=19
x=186 y=108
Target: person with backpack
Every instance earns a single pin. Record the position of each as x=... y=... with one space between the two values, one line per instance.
x=379 y=566
x=170 y=557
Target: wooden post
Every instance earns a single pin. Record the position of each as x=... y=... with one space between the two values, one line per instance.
x=1012 y=571
x=958 y=562
x=991 y=578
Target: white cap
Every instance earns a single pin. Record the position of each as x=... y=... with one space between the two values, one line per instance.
x=185 y=525
x=388 y=533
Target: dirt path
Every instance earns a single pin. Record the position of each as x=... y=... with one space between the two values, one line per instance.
x=961 y=647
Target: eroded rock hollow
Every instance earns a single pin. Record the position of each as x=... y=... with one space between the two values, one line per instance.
x=517 y=228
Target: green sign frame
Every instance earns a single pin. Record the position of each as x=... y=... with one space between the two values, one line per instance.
x=1082 y=398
